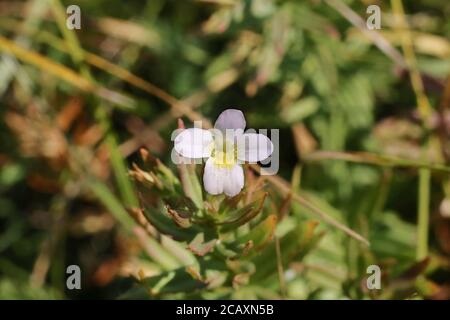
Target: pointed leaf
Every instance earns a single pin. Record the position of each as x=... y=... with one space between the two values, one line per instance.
x=241 y=216
x=199 y=247
x=262 y=233
x=175 y=281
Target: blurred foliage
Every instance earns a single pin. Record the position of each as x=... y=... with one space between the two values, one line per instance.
x=86 y=175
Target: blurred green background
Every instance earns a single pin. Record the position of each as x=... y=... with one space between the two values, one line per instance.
x=364 y=119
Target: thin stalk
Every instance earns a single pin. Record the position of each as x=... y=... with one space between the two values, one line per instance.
x=280 y=269
x=285 y=188
x=423 y=214
x=425 y=110
x=376 y=37
x=375 y=159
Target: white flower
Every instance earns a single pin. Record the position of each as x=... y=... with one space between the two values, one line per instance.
x=226 y=147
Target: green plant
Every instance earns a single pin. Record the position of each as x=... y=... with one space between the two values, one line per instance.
x=231 y=240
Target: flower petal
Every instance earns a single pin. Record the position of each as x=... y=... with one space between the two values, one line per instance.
x=230 y=119
x=254 y=147
x=234 y=181
x=223 y=180
x=213 y=178
x=194 y=143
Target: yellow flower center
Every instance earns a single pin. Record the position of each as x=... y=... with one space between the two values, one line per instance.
x=225 y=157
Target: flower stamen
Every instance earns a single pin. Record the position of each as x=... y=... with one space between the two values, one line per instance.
x=225 y=157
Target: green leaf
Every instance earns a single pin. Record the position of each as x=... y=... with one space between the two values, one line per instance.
x=191 y=184
x=109 y=200
x=181 y=211
x=11 y=174
x=175 y=281
x=243 y=215
x=166 y=226
x=300 y=110
x=199 y=247
x=262 y=233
